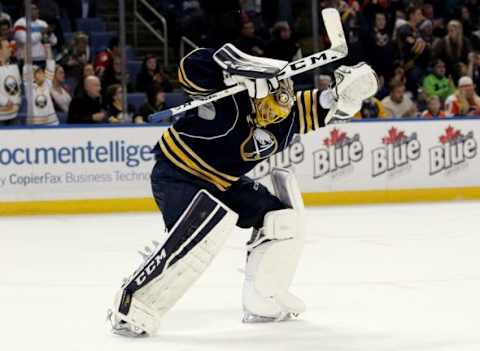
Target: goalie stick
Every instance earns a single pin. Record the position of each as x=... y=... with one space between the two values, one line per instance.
x=337 y=51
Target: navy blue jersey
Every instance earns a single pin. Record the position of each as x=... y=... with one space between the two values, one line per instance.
x=221 y=142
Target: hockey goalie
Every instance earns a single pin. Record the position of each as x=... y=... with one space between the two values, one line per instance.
x=199 y=184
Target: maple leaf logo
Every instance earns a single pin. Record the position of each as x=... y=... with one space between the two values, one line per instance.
x=336 y=137
x=394 y=136
x=450 y=135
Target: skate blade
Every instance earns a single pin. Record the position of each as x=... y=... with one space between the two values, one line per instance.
x=251 y=318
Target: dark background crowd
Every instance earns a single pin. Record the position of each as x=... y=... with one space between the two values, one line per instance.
x=426 y=53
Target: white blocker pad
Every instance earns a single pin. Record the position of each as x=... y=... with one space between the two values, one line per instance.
x=236 y=62
x=172 y=268
x=274 y=255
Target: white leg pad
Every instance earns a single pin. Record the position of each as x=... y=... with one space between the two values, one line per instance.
x=274 y=255
x=173 y=267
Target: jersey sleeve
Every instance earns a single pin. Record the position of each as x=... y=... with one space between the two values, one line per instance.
x=199 y=74
x=308 y=113
x=49 y=72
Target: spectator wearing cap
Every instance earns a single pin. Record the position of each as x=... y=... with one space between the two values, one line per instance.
x=155 y=103
x=464 y=102
x=76 y=55
x=453 y=49
x=86 y=108
x=437 y=84
x=150 y=74
x=40 y=35
x=60 y=95
x=10 y=83
x=434 y=108
x=399 y=104
x=283 y=46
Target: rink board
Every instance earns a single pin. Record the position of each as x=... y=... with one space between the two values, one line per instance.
x=105 y=169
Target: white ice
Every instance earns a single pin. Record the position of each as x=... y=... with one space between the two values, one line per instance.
x=374 y=278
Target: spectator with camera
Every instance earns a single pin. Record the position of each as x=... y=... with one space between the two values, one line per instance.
x=41 y=36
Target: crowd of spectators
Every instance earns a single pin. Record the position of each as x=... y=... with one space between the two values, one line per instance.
x=69 y=78
x=426 y=54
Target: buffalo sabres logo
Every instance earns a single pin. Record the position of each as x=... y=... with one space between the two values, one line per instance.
x=260 y=144
x=41 y=101
x=11 y=86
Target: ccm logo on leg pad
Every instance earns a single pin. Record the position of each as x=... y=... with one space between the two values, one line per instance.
x=150 y=268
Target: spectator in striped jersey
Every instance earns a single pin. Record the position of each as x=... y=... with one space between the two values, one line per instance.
x=9 y=86
x=43 y=109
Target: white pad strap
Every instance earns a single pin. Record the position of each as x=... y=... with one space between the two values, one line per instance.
x=171 y=269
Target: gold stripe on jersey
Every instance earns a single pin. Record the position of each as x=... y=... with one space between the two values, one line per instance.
x=300 y=112
x=48 y=119
x=307 y=97
x=199 y=159
x=192 y=163
x=316 y=122
x=182 y=77
x=180 y=165
x=308 y=111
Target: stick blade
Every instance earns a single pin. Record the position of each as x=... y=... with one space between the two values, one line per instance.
x=333 y=25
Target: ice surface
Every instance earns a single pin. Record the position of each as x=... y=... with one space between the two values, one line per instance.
x=374 y=278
